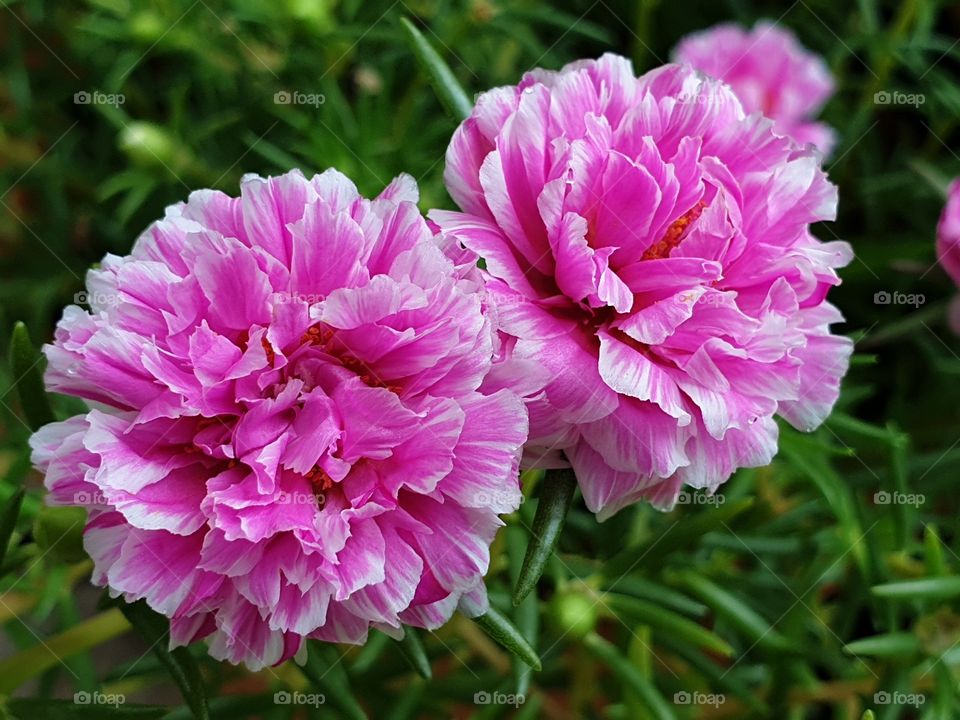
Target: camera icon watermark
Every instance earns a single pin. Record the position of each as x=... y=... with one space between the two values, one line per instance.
x=499 y=698
x=895 y=97
x=95 y=97
x=96 y=697
x=295 y=97
x=882 y=697
x=698 y=698
x=295 y=697
x=883 y=497
x=883 y=297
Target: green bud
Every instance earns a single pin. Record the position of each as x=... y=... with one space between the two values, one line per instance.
x=148 y=27
x=150 y=145
x=574 y=611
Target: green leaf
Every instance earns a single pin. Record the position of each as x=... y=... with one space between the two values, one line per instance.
x=25 y=365
x=891 y=645
x=58 y=532
x=448 y=90
x=76 y=709
x=679 y=535
x=630 y=675
x=744 y=618
x=527 y=615
x=182 y=666
x=8 y=521
x=29 y=663
x=376 y=643
x=940 y=588
x=933 y=551
x=503 y=631
x=412 y=648
x=325 y=670
x=667 y=622
x=556 y=495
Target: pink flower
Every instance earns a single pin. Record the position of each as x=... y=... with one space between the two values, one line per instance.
x=649 y=244
x=948 y=246
x=771 y=72
x=286 y=438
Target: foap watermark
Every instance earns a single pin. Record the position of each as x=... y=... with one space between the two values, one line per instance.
x=692 y=297
x=96 y=697
x=499 y=698
x=96 y=299
x=695 y=98
x=283 y=297
x=497 y=497
x=295 y=697
x=698 y=698
x=883 y=497
x=301 y=498
x=91 y=497
x=882 y=697
x=694 y=498
x=895 y=97
x=883 y=297
x=295 y=97
x=95 y=97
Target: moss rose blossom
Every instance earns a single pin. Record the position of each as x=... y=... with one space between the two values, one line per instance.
x=771 y=72
x=649 y=244
x=287 y=436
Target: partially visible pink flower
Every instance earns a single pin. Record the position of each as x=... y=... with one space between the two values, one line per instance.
x=648 y=244
x=948 y=245
x=287 y=437
x=771 y=72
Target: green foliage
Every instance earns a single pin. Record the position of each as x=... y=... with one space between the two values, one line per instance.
x=825 y=585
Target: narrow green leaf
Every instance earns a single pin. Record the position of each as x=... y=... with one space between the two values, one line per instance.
x=744 y=618
x=665 y=621
x=411 y=645
x=77 y=709
x=25 y=365
x=891 y=645
x=630 y=675
x=445 y=85
x=230 y=707
x=182 y=666
x=939 y=588
x=8 y=521
x=367 y=658
x=526 y=616
x=503 y=631
x=677 y=537
x=717 y=677
x=933 y=551
x=29 y=663
x=324 y=669
x=556 y=495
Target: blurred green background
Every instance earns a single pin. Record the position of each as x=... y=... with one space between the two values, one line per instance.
x=808 y=593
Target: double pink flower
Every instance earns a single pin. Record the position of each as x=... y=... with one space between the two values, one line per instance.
x=308 y=408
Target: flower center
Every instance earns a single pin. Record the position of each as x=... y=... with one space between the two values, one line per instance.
x=675 y=233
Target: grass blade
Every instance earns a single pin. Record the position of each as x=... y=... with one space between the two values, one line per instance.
x=448 y=90
x=25 y=364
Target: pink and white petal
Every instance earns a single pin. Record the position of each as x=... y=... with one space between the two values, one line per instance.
x=630 y=372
